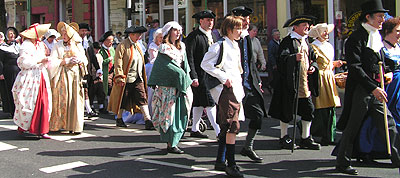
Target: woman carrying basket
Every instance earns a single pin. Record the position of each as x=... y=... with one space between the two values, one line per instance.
x=324 y=123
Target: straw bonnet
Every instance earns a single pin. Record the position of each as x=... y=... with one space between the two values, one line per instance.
x=75 y=26
x=71 y=32
x=52 y=32
x=35 y=31
x=318 y=29
x=169 y=25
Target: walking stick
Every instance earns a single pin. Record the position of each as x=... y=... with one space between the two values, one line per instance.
x=296 y=100
x=384 y=109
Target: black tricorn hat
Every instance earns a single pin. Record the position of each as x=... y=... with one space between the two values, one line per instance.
x=84 y=26
x=135 y=29
x=106 y=35
x=204 y=14
x=300 y=19
x=372 y=6
x=242 y=11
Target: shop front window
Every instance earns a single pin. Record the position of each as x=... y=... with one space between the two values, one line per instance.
x=316 y=8
x=258 y=18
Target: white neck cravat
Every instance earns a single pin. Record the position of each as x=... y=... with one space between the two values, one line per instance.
x=374 y=37
x=208 y=34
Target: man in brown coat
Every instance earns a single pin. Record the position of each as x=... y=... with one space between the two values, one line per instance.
x=129 y=89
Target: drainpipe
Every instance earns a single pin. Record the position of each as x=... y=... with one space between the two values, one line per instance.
x=28 y=13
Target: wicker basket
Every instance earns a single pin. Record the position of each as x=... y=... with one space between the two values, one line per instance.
x=340 y=79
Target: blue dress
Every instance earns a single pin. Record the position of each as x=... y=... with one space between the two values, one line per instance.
x=393 y=89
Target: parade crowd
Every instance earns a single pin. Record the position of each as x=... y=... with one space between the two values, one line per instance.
x=51 y=78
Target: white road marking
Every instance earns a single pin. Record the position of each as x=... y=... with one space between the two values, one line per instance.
x=6 y=120
x=139 y=152
x=69 y=137
x=106 y=125
x=190 y=143
x=242 y=134
x=132 y=130
x=70 y=141
x=194 y=168
x=205 y=140
x=63 y=167
x=5 y=146
x=23 y=149
x=10 y=127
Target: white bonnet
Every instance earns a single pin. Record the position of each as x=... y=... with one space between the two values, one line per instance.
x=318 y=29
x=156 y=33
x=172 y=24
x=52 y=32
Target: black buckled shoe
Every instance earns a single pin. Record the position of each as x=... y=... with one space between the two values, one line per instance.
x=309 y=143
x=347 y=170
x=103 y=111
x=287 y=143
x=198 y=135
x=148 y=125
x=92 y=114
x=251 y=154
x=120 y=123
x=174 y=150
x=220 y=166
x=233 y=171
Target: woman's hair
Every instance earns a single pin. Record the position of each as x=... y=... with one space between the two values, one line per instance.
x=252 y=26
x=166 y=39
x=229 y=23
x=389 y=25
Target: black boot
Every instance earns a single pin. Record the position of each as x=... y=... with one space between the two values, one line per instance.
x=120 y=123
x=148 y=125
x=251 y=154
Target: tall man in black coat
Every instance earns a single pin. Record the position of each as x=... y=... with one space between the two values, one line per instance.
x=296 y=57
x=363 y=96
x=197 y=44
x=253 y=102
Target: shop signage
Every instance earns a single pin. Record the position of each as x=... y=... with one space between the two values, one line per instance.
x=139 y=6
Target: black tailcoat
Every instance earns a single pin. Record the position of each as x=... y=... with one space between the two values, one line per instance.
x=255 y=80
x=283 y=98
x=362 y=64
x=196 y=46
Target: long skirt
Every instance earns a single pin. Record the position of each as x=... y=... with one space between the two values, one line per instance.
x=40 y=117
x=324 y=124
x=393 y=95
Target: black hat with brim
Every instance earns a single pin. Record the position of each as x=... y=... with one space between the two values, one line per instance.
x=13 y=29
x=106 y=35
x=242 y=11
x=135 y=29
x=300 y=19
x=84 y=26
x=204 y=14
x=373 y=6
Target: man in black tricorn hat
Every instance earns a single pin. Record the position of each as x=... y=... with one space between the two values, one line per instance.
x=129 y=88
x=253 y=102
x=296 y=67
x=363 y=96
x=197 y=43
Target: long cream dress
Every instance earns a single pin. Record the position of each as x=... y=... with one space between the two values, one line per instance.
x=67 y=89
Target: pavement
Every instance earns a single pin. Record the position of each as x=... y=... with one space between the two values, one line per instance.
x=104 y=150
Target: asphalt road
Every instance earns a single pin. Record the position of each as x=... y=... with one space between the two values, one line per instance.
x=103 y=150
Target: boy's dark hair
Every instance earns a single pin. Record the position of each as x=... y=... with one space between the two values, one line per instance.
x=96 y=45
